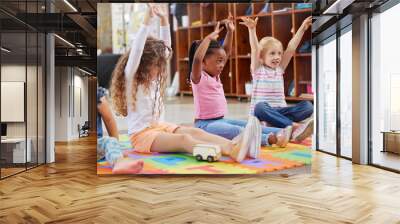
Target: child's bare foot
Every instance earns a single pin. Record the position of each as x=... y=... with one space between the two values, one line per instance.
x=272 y=139
x=283 y=136
x=127 y=166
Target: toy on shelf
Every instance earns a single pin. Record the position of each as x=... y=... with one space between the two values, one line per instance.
x=303 y=6
x=306 y=47
x=264 y=9
x=196 y=23
x=210 y=153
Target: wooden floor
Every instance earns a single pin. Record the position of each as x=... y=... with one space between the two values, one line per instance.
x=70 y=192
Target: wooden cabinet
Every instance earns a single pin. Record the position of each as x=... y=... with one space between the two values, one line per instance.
x=281 y=20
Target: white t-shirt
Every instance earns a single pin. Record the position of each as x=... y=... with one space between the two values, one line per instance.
x=142 y=117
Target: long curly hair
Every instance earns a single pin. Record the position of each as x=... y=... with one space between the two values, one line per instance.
x=155 y=54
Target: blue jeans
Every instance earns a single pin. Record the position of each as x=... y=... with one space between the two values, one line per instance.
x=282 y=117
x=229 y=128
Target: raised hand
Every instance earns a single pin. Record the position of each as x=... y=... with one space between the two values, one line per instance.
x=160 y=10
x=215 y=33
x=230 y=26
x=307 y=23
x=149 y=14
x=251 y=24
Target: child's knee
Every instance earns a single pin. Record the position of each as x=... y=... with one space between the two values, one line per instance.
x=260 y=109
x=309 y=107
x=196 y=131
x=184 y=138
x=233 y=133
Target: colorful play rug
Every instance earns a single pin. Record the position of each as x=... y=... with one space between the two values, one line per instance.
x=272 y=159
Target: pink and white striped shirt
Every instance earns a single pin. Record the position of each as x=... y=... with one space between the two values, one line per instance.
x=268 y=86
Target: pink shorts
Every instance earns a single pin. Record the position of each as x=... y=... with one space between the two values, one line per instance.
x=143 y=140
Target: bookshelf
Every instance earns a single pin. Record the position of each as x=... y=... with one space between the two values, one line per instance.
x=277 y=21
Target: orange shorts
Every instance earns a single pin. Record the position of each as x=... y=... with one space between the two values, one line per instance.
x=143 y=140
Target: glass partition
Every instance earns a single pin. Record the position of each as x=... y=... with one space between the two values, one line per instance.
x=327 y=96
x=346 y=93
x=385 y=89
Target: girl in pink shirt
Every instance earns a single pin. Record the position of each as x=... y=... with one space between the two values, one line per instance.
x=207 y=60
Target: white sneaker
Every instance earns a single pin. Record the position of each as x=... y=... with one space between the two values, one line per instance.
x=303 y=131
x=255 y=146
x=240 y=151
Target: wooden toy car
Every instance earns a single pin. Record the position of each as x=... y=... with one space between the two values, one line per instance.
x=210 y=153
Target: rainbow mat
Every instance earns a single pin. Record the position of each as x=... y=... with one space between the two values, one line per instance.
x=272 y=159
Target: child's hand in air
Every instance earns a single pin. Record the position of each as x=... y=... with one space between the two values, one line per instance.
x=251 y=24
x=230 y=26
x=306 y=23
x=160 y=10
x=149 y=14
x=214 y=35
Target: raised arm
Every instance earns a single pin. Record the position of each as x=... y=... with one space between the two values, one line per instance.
x=230 y=26
x=294 y=43
x=161 y=11
x=137 y=46
x=201 y=52
x=104 y=109
x=255 y=52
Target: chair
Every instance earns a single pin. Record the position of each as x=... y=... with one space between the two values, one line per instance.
x=84 y=130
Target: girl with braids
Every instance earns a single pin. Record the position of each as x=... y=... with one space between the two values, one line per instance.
x=137 y=90
x=207 y=60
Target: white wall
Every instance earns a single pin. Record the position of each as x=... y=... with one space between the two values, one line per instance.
x=67 y=114
x=14 y=73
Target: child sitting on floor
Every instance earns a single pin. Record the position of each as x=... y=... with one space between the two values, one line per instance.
x=108 y=146
x=268 y=64
x=137 y=90
x=207 y=59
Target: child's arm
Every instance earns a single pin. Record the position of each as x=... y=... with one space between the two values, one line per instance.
x=165 y=34
x=294 y=43
x=229 y=35
x=137 y=46
x=104 y=110
x=200 y=53
x=251 y=25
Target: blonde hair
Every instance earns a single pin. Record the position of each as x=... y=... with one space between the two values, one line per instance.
x=266 y=42
x=155 y=53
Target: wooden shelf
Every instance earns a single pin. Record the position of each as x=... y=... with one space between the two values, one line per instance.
x=295 y=98
x=237 y=70
x=303 y=54
x=303 y=10
x=282 y=13
x=305 y=82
